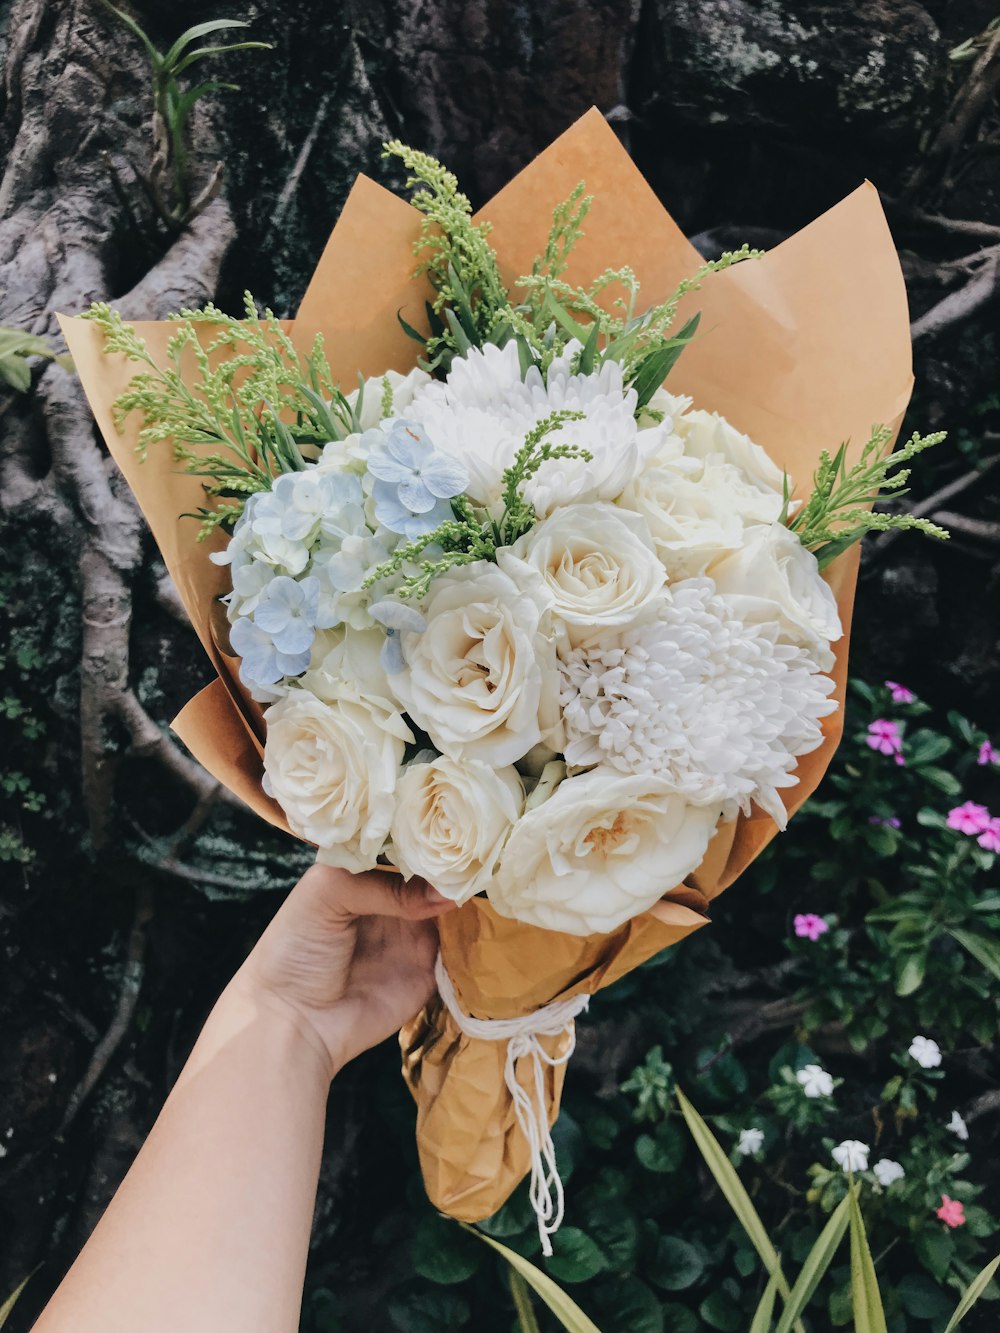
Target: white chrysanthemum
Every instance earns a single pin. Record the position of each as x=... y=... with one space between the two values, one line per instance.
x=482 y=412
x=716 y=707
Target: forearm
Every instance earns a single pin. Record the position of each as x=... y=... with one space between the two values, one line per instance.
x=210 y=1228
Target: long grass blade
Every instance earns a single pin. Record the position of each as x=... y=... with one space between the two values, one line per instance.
x=972 y=1294
x=562 y=1306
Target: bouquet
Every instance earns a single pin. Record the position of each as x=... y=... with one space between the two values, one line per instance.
x=508 y=611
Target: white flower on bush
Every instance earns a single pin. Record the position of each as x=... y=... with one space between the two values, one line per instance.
x=887 y=1171
x=332 y=767
x=594 y=564
x=603 y=848
x=814 y=1081
x=484 y=409
x=714 y=706
x=925 y=1051
x=707 y=435
x=773 y=578
x=451 y=822
x=481 y=680
x=851 y=1155
x=958 y=1126
x=750 y=1141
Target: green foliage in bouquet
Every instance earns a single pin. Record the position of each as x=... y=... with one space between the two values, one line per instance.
x=260 y=407
x=837 y=513
x=472 y=307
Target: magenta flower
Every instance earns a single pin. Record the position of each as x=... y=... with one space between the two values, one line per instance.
x=900 y=694
x=969 y=818
x=951 y=1212
x=890 y=821
x=884 y=736
x=990 y=836
x=987 y=754
x=809 y=926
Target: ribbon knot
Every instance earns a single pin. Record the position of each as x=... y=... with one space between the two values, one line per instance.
x=530 y=1106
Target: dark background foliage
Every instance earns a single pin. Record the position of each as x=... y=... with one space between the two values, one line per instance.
x=130 y=888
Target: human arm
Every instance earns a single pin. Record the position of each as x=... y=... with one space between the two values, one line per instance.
x=209 y=1231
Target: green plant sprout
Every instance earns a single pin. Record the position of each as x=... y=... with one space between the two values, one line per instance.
x=168 y=185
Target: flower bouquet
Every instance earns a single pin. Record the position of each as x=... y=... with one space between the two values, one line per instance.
x=492 y=604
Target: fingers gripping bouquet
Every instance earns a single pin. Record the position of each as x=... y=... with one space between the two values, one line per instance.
x=511 y=614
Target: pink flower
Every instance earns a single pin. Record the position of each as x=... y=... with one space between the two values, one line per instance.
x=809 y=926
x=990 y=836
x=900 y=694
x=884 y=736
x=951 y=1212
x=987 y=754
x=969 y=818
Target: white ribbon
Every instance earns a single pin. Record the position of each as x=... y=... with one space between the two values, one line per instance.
x=521 y=1036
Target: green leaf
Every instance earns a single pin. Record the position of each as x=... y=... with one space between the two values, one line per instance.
x=814 y=1268
x=909 y=969
x=922 y=1298
x=429 y=1311
x=972 y=1293
x=627 y=1303
x=522 y=1302
x=935 y=1249
x=661 y=1153
x=764 y=1314
x=441 y=1254
x=202 y=51
x=576 y=1256
x=199 y=30
x=984 y=948
x=720 y=1311
x=562 y=1306
x=866 y=1300
x=655 y=368
x=735 y=1194
x=678 y=1265
x=12 y=1299
x=586 y=365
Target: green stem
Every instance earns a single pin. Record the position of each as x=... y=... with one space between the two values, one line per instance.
x=522 y=1302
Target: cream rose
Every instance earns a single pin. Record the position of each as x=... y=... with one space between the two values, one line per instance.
x=332 y=767
x=451 y=822
x=774 y=578
x=603 y=848
x=706 y=435
x=595 y=564
x=481 y=679
x=695 y=518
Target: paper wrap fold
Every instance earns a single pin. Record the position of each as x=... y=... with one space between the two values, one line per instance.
x=801 y=350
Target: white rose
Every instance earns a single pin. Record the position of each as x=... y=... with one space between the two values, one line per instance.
x=452 y=820
x=595 y=564
x=690 y=522
x=332 y=767
x=404 y=389
x=482 y=678
x=603 y=848
x=706 y=434
x=773 y=578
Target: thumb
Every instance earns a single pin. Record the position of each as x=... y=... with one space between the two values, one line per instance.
x=338 y=893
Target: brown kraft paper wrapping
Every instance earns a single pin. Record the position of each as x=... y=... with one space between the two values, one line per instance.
x=802 y=350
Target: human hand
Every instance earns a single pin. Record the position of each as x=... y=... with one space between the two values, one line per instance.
x=350 y=958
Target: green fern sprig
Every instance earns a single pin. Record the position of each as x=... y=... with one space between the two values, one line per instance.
x=255 y=407
x=836 y=514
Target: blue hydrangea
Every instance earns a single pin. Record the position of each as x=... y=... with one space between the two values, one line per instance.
x=413 y=481
x=261 y=663
x=396 y=617
x=286 y=611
